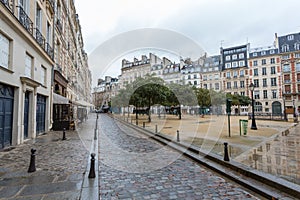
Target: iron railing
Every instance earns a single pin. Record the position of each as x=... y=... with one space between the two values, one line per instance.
x=25 y=20
x=39 y=38
x=51 y=3
x=59 y=25
x=9 y=4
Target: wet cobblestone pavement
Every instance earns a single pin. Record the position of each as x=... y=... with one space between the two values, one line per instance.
x=60 y=167
x=133 y=167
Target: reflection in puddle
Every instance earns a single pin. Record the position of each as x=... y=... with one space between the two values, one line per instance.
x=280 y=157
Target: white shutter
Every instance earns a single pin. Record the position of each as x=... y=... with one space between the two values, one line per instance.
x=28 y=64
x=4 y=51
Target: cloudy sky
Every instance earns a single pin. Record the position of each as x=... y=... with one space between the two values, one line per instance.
x=209 y=23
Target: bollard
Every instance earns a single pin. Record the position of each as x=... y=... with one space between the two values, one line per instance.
x=136 y=122
x=32 y=161
x=156 y=128
x=178 y=140
x=64 y=134
x=131 y=121
x=92 y=169
x=97 y=116
x=143 y=124
x=226 y=157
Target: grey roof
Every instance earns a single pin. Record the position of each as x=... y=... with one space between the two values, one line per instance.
x=289 y=43
x=263 y=52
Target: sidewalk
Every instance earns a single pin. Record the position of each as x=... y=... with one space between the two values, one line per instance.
x=60 y=165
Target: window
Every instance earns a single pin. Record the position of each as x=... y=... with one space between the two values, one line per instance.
x=287 y=78
x=298 y=67
x=205 y=86
x=264 y=71
x=228 y=65
x=263 y=61
x=273 y=70
x=274 y=94
x=287 y=89
x=263 y=53
x=258 y=107
x=234 y=64
x=235 y=74
x=242 y=63
x=204 y=77
x=228 y=85
x=195 y=76
x=216 y=76
x=285 y=48
x=255 y=72
x=234 y=57
x=242 y=73
x=195 y=83
x=272 y=60
x=43 y=75
x=241 y=56
x=235 y=84
x=48 y=39
x=297 y=55
x=28 y=65
x=4 y=51
x=265 y=82
x=227 y=58
x=24 y=5
x=285 y=57
x=38 y=18
x=256 y=94
x=256 y=83
x=273 y=82
x=297 y=46
x=290 y=37
x=217 y=86
x=242 y=93
x=242 y=84
x=189 y=76
x=265 y=94
x=286 y=68
x=254 y=54
x=210 y=77
x=272 y=51
x=255 y=63
x=228 y=74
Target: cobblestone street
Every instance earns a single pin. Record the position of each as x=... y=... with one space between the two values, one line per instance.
x=133 y=167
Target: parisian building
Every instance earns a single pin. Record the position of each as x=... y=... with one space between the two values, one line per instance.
x=289 y=50
x=40 y=53
x=26 y=61
x=211 y=73
x=265 y=74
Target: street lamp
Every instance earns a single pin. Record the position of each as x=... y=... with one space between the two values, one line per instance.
x=295 y=116
x=253 y=125
x=284 y=110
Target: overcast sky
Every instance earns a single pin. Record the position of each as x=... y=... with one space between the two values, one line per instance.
x=209 y=23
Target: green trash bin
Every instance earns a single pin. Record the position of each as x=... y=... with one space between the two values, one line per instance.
x=243 y=126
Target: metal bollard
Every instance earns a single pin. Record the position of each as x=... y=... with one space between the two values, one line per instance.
x=64 y=134
x=136 y=122
x=143 y=124
x=156 y=128
x=226 y=157
x=178 y=140
x=92 y=169
x=131 y=121
x=32 y=161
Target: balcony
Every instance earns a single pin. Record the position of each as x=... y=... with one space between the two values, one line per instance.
x=58 y=68
x=59 y=25
x=287 y=81
x=49 y=51
x=39 y=38
x=8 y=4
x=25 y=20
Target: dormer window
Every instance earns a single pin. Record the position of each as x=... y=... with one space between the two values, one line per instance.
x=285 y=48
x=297 y=46
x=290 y=37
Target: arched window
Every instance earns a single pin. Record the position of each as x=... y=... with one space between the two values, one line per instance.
x=258 y=106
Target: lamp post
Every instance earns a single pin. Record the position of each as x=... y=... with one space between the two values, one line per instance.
x=284 y=109
x=295 y=116
x=253 y=125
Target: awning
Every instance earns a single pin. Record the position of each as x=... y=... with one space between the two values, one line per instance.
x=58 y=99
x=84 y=103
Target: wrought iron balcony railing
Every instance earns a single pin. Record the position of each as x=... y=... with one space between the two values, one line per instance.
x=9 y=4
x=25 y=20
x=49 y=51
x=39 y=38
